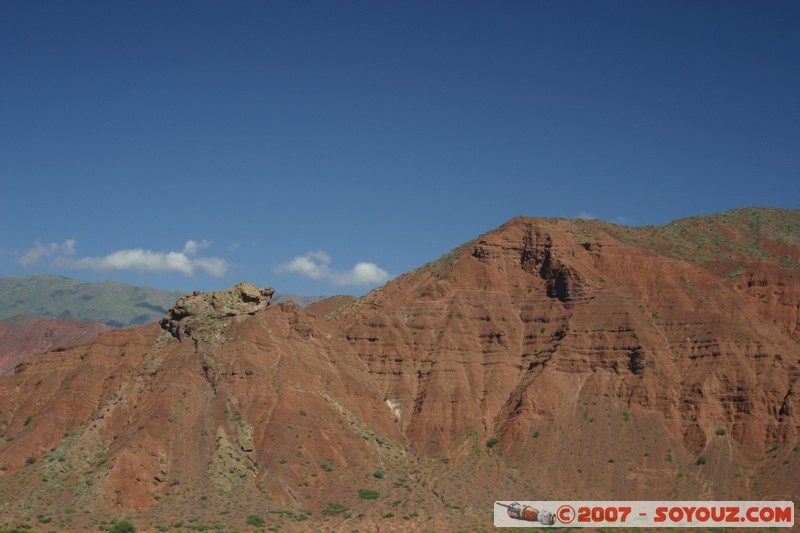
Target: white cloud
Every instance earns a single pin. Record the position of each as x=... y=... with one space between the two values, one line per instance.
x=583 y=215
x=361 y=274
x=320 y=256
x=191 y=247
x=212 y=265
x=233 y=247
x=313 y=265
x=32 y=255
x=316 y=265
x=137 y=259
x=182 y=262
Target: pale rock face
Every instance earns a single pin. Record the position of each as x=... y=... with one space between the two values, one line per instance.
x=204 y=311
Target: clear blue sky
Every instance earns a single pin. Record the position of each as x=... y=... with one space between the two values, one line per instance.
x=381 y=133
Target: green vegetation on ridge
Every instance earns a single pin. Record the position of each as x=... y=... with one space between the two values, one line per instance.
x=112 y=303
x=726 y=237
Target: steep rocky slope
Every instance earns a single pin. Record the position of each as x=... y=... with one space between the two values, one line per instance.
x=547 y=359
x=561 y=341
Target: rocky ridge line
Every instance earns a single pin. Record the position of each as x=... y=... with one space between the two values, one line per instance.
x=205 y=311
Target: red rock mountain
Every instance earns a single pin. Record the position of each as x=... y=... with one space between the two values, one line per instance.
x=26 y=335
x=547 y=359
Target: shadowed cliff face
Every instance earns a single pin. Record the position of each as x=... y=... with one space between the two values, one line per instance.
x=595 y=367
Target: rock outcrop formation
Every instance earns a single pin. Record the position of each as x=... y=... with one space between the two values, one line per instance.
x=208 y=311
x=547 y=359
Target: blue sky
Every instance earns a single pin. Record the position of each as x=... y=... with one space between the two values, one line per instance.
x=322 y=147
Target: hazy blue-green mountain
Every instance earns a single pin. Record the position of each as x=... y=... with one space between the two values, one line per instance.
x=113 y=303
x=110 y=302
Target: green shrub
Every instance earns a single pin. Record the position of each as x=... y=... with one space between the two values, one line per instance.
x=30 y=460
x=491 y=442
x=334 y=509
x=122 y=527
x=366 y=494
x=722 y=431
x=255 y=520
x=701 y=460
x=378 y=474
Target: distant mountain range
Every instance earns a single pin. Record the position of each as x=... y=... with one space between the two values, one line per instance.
x=110 y=302
x=41 y=312
x=115 y=304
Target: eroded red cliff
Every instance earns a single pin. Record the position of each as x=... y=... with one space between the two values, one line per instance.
x=548 y=359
